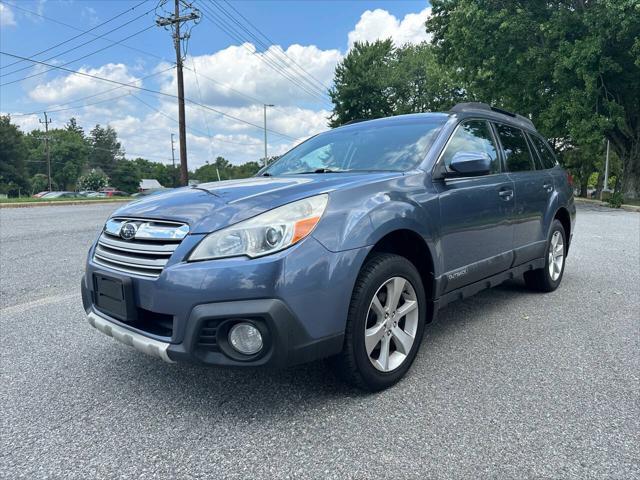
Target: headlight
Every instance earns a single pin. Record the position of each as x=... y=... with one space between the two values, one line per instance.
x=267 y=233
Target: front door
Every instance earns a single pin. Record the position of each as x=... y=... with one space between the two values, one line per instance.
x=475 y=211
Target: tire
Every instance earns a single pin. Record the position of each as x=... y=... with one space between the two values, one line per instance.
x=544 y=279
x=381 y=276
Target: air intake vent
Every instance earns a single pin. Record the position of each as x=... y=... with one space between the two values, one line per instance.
x=139 y=247
x=208 y=338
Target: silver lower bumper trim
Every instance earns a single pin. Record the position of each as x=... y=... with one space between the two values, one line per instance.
x=147 y=345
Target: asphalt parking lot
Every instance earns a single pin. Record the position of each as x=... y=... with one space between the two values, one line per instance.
x=508 y=384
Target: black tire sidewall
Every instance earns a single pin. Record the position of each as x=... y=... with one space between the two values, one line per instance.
x=391 y=266
x=556 y=226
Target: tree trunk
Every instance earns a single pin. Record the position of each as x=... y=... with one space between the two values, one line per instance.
x=584 y=186
x=599 y=185
x=631 y=172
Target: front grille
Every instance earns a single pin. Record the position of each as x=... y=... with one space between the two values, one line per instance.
x=208 y=338
x=146 y=256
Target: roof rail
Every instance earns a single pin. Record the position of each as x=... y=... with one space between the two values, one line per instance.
x=465 y=107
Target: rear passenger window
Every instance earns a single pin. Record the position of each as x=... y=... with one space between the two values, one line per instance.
x=516 y=152
x=547 y=158
x=472 y=136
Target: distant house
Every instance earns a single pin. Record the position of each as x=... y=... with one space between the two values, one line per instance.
x=149 y=184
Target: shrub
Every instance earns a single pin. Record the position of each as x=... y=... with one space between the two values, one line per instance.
x=94 y=180
x=616 y=200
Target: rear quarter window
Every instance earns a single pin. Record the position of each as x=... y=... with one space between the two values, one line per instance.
x=544 y=151
x=516 y=152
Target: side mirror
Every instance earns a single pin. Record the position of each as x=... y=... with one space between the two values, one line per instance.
x=471 y=163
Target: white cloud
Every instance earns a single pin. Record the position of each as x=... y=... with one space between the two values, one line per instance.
x=7 y=18
x=235 y=80
x=234 y=69
x=380 y=24
x=72 y=86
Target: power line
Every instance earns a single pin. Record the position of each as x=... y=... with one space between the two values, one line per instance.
x=73 y=27
x=191 y=129
x=305 y=75
x=132 y=84
x=72 y=61
x=111 y=99
x=238 y=37
x=277 y=60
x=85 y=32
x=322 y=85
x=144 y=89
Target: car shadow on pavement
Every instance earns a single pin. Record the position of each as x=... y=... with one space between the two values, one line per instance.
x=241 y=393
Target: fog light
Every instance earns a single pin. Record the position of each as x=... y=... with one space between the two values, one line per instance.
x=245 y=338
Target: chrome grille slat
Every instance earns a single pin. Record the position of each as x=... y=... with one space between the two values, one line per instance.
x=142 y=247
x=146 y=256
x=131 y=260
x=120 y=268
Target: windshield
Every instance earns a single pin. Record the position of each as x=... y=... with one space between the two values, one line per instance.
x=382 y=147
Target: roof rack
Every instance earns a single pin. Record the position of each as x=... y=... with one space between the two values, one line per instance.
x=465 y=107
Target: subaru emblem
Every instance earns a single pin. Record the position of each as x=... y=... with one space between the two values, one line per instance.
x=128 y=230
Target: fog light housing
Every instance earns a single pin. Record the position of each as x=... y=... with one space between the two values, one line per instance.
x=245 y=338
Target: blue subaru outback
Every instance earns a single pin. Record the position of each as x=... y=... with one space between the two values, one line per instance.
x=346 y=247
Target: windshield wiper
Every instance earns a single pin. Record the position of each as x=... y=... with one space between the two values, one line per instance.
x=266 y=174
x=323 y=170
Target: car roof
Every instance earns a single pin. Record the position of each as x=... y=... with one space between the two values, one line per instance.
x=461 y=110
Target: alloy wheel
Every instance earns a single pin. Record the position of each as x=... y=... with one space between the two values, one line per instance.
x=391 y=324
x=556 y=255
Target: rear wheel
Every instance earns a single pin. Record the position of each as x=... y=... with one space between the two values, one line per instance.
x=385 y=323
x=548 y=278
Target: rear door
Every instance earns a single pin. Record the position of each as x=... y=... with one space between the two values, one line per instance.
x=533 y=189
x=476 y=233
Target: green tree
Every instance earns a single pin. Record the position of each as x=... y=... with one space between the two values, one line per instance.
x=69 y=153
x=126 y=176
x=13 y=156
x=377 y=79
x=572 y=66
x=105 y=149
x=362 y=83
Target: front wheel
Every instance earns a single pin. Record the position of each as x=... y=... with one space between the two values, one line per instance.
x=385 y=323
x=548 y=278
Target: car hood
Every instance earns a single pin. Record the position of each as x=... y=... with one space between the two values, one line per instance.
x=211 y=206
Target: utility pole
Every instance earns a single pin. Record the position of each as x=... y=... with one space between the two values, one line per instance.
x=173 y=162
x=46 y=122
x=174 y=22
x=265 y=132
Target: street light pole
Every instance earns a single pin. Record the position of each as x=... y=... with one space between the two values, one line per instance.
x=265 y=131
x=606 y=171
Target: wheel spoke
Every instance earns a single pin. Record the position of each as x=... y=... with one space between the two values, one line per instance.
x=372 y=337
x=402 y=339
x=377 y=307
x=383 y=359
x=407 y=306
x=394 y=290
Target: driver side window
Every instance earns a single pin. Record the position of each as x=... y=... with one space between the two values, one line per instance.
x=473 y=136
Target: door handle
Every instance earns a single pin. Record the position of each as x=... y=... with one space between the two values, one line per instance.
x=506 y=194
x=548 y=187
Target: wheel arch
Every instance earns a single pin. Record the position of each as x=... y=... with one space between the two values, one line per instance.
x=562 y=214
x=411 y=245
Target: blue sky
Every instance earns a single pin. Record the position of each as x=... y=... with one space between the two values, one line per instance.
x=229 y=74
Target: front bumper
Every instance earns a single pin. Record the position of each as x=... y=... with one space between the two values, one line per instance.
x=298 y=298
x=147 y=345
